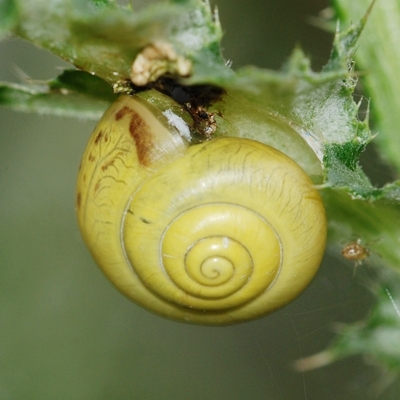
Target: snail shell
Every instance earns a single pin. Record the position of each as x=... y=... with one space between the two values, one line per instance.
x=214 y=233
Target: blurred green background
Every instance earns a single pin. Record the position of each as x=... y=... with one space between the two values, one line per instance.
x=66 y=333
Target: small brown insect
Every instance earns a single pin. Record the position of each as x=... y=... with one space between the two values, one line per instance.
x=355 y=251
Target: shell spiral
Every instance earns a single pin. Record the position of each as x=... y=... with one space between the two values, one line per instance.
x=215 y=233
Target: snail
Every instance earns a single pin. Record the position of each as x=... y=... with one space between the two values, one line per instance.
x=213 y=233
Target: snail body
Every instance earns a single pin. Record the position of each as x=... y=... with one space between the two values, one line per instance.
x=215 y=233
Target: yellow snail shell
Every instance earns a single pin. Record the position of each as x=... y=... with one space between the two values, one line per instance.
x=214 y=233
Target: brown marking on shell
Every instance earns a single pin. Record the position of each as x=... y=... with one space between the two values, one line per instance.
x=108 y=164
x=96 y=186
x=98 y=137
x=140 y=133
x=78 y=199
x=92 y=157
x=122 y=112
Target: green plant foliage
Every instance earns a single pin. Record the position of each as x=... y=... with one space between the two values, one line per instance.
x=379 y=62
x=377 y=338
x=73 y=93
x=104 y=39
x=379 y=333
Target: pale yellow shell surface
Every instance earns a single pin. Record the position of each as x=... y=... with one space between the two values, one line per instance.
x=215 y=233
